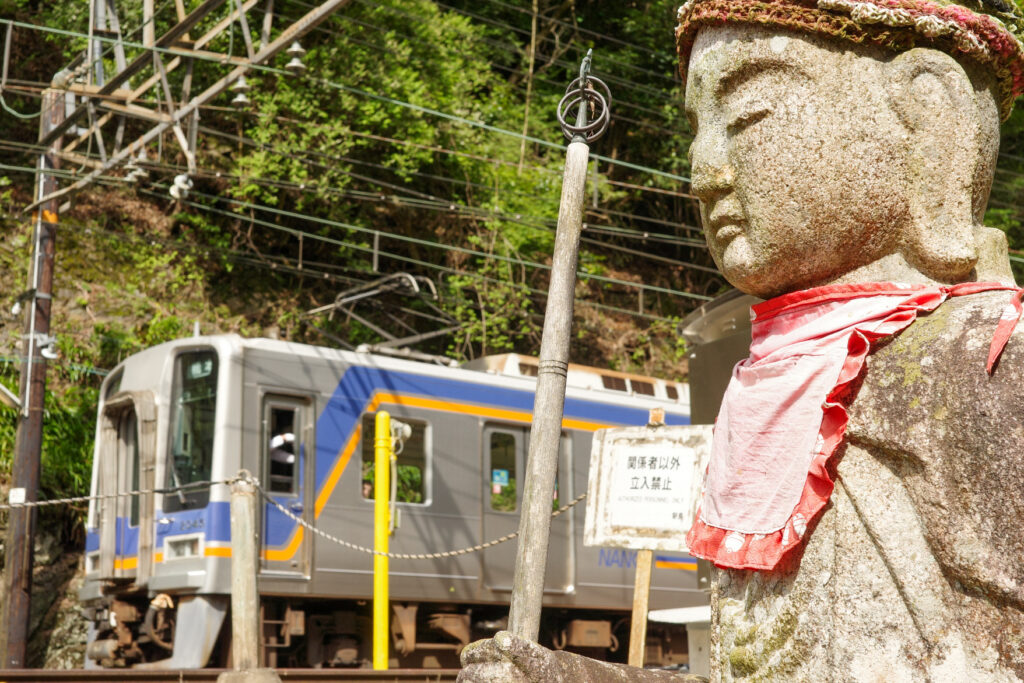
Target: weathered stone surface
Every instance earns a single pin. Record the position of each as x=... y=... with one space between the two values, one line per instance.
x=818 y=163
x=913 y=573
x=508 y=659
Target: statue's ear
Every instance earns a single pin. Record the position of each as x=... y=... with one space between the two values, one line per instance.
x=932 y=95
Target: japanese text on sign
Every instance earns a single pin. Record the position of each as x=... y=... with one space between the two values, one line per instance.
x=645 y=485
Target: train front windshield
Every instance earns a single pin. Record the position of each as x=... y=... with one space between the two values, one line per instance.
x=193 y=409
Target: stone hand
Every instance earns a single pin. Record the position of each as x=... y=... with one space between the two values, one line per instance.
x=508 y=659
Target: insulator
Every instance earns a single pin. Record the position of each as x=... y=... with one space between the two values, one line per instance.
x=296 y=51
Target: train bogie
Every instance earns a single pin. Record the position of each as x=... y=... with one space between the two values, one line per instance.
x=300 y=418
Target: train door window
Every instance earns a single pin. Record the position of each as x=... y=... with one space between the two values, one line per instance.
x=193 y=410
x=282 y=439
x=413 y=461
x=503 y=450
x=672 y=392
x=128 y=444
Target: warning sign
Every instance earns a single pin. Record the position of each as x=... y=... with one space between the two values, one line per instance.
x=644 y=486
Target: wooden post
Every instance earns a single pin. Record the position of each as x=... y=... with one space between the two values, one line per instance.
x=641 y=599
x=245 y=645
x=21 y=523
x=381 y=511
x=245 y=597
x=642 y=581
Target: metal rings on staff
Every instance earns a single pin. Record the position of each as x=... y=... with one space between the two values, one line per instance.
x=581 y=91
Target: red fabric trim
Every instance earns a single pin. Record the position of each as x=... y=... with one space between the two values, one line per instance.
x=737 y=550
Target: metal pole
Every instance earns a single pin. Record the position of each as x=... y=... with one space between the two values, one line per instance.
x=545 y=434
x=381 y=501
x=28 y=444
x=245 y=646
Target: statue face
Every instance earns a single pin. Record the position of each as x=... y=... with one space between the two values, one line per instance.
x=798 y=159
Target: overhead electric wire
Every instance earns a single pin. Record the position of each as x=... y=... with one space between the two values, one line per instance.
x=619 y=99
x=444 y=247
x=419 y=262
x=619 y=102
x=445 y=202
x=407 y=105
x=602 y=36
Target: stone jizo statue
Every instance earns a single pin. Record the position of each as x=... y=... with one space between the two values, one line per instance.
x=865 y=499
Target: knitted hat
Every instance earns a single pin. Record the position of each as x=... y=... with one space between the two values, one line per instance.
x=987 y=31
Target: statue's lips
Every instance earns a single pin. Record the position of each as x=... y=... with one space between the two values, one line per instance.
x=727 y=232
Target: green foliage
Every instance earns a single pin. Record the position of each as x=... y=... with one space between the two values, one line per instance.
x=410 y=481
x=68 y=423
x=505 y=500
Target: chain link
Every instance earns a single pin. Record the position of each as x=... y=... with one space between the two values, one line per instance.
x=108 y=496
x=408 y=556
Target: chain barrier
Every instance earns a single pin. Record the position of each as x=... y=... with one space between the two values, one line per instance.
x=107 y=496
x=288 y=513
x=407 y=556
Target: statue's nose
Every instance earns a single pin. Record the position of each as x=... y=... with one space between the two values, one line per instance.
x=711 y=174
x=708 y=181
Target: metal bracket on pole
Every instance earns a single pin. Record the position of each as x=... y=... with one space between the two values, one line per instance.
x=535 y=522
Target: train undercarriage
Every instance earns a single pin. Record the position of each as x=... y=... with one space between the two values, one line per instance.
x=133 y=631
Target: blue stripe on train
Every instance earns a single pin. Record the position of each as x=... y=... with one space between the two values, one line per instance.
x=334 y=427
x=358 y=384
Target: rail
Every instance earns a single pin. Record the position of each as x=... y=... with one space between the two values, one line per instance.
x=189 y=675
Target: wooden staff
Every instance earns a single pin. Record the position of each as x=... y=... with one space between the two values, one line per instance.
x=545 y=435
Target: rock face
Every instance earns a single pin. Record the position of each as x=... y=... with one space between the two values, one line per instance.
x=914 y=571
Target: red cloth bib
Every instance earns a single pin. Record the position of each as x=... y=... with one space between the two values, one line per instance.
x=781 y=420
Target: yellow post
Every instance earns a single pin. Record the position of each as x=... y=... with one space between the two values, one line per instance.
x=381 y=500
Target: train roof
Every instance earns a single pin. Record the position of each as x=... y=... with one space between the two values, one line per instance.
x=509 y=366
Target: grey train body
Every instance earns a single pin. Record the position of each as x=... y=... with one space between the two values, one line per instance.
x=300 y=419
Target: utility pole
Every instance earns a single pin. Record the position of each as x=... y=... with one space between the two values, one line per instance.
x=546 y=430
x=28 y=444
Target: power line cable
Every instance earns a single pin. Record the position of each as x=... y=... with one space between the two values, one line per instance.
x=429 y=243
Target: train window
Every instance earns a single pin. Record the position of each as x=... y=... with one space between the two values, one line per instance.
x=503 y=471
x=672 y=392
x=281 y=445
x=129 y=444
x=614 y=383
x=412 y=480
x=114 y=384
x=528 y=369
x=193 y=409
x=645 y=388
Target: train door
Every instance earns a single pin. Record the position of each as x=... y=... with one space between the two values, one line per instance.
x=127 y=464
x=505 y=450
x=286 y=441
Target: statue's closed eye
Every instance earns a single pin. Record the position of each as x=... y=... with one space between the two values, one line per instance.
x=748 y=117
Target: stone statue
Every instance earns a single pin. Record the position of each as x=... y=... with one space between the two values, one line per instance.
x=838 y=143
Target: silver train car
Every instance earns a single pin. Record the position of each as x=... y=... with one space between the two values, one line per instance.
x=300 y=418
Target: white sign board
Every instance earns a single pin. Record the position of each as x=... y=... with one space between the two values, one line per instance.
x=644 y=486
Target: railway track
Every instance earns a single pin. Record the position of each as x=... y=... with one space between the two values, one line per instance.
x=195 y=675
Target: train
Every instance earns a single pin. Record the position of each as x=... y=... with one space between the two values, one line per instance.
x=177 y=420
